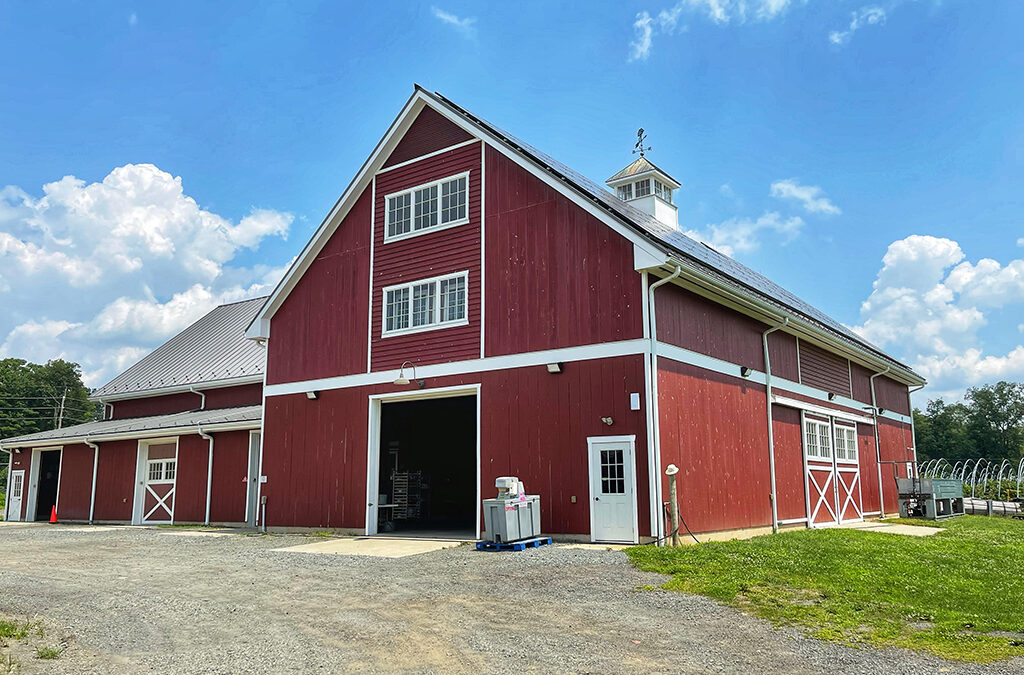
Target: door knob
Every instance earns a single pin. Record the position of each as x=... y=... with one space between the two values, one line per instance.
x=597 y=499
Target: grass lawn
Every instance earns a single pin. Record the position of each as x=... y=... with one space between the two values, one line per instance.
x=958 y=594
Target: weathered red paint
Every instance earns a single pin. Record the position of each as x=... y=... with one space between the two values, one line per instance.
x=156 y=405
x=824 y=370
x=534 y=425
x=428 y=255
x=190 y=488
x=892 y=395
x=75 y=489
x=895 y=442
x=429 y=132
x=115 y=480
x=230 y=464
x=233 y=397
x=22 y=461
x=320 y=329
x=868 y=467
x=789 y=485
x=556 y=276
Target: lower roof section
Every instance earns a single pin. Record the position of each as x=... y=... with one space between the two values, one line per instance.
x=221 y=419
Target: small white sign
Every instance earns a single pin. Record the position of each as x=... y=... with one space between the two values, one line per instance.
x=263 y=479
x=634 y=401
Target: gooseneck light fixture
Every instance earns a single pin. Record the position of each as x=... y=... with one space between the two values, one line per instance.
x=402 y=380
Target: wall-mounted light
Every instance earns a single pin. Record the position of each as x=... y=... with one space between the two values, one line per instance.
x=881 y=411
x=312 y=395
x=744 y=371
x=831 y=396
x=402 y=380
x=554 y=368
x=608 y=420
x=17 y=451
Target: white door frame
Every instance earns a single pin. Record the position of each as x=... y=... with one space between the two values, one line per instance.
x=373 y=443
x=21 y=499
x=141 y=462
x=631 y=441
x=33 y=481
x=252 y=485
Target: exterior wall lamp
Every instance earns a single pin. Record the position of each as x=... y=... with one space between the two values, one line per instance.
x=554 y=368
x=608 y=420
x=831 y=396
x=402 y=380
x=312 y=395
x=745 y=371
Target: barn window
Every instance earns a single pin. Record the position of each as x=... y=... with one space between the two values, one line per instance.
x=160 y=470
x=816 y=439
x=441 y=203
x=846 y=444
x=643 y=187
x=625 y=192
x=662 y=190
x=435 y=303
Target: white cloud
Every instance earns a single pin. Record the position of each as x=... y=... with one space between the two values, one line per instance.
x=865 y=16
x=466 y=26
x=811 y=197
x=640 y=47
x=743 y=235
x=932 y=306
x=99 y=273
x=133 y=19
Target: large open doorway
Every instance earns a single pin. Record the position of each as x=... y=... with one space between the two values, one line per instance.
x=426 y=471
x=47 y=476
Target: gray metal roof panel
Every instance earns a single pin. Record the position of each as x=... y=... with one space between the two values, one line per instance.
x=639 y=166
x=97 y=430
x=709 y=260
x=213 y=349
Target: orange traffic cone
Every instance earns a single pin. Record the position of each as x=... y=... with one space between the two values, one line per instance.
x=53 y=514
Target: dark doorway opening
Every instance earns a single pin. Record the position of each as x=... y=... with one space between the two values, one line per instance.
x=427 y=480
x=46 y=490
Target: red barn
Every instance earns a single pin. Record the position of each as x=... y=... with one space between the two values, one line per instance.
x=471 y=308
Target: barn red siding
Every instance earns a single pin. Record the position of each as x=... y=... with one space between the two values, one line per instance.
x=783 y=352
x=534 y=425
x=320 y=329
x=789 y=457
x=156 y=405
x=693 y=322
x=556 y=276
x=190 y=485
x=115 y=480
x=824 y=370
x=861 y=384
x=429 y=132
x=445 y=251
x=232 y=397
x=230 y=465
x=892 y=395
x=75 y=490
x=714 y=428
x=868 y=467
x=895 y=443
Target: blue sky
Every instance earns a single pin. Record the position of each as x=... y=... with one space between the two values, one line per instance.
x=888 y=130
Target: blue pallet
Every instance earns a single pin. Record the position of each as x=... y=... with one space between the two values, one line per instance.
x=513 y=545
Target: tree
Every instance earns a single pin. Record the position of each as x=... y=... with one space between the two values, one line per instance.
x=941 y=431
x=39 y=397
x=996 y=419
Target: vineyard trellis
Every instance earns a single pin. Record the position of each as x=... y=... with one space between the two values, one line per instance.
x=982 y=478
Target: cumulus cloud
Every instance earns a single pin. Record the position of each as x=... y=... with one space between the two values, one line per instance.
x=99 y=273
x=743 y=235
x=640 y=47
x=464 y=25
x=931 y=305
x=865 y=16
x=811 y=197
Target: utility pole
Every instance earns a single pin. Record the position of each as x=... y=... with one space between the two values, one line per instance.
x=60 y=416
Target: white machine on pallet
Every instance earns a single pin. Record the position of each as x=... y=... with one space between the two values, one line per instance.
x=513 y=514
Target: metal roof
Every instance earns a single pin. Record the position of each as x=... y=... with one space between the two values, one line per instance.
x=639 y=166
x=682 y=248
x=140 y=427
x=213 y=349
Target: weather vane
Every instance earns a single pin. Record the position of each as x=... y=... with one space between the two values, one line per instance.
x=640 y=138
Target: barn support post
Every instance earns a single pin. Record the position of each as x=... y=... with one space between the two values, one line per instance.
x=655 y=440
x=771 y=430
x=95 y=465
x=878 y=444
x=209 y=473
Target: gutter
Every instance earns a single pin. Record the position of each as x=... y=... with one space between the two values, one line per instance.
x=209 y=472
x=878 y=446
x=95 y=465
x=141 y=434
x=181 y=389
x=655 y=439
x=771 y=430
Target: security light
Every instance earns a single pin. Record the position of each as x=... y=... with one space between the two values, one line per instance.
x=608 y=420
x=554 y=367
x=312 y=395
x=744 y=371
x=831 y=396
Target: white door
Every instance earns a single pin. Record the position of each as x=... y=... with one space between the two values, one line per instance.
x=15 y=497
x=252 y=480
x=612 y=489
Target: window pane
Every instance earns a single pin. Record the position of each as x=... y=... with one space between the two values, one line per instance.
x=453 y=200
x=613 y=481
x=156 y=471
x=851 y=444
x=840 y=443
x=823 y=441
x=453 y=299
x=643 y=187
x=399 y=215
x=426 y=207
x=423 y=304
x=667 y=196
x=626 y=192
x=812 y=440
x=169 y=467
x=397 y=309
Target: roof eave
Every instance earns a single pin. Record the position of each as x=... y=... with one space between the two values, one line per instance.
x=177 y=389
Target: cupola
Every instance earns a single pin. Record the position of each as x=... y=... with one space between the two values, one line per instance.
x=646 y=187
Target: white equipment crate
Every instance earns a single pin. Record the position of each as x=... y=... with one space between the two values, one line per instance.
x=512 y=518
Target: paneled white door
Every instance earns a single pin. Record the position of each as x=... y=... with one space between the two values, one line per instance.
x=612 y=489
x=16 y=496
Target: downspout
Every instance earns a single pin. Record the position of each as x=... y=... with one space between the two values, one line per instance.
x=655 y=434
x=202 y=396
x=95 y=465
x=878 y=443
x=771 y=431
x=209 y=473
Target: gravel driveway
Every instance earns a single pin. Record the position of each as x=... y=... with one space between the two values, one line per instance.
x=130 y=600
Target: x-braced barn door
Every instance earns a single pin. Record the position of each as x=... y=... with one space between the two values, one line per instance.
x=832 y=471
x=157 y=479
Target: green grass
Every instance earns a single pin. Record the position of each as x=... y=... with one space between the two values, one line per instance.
x=47 y=653
x=17 y=630
x=947 y=594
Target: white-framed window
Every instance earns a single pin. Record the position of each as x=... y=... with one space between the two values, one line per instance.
x=643 y=187
x=625 y=192
x=161 y=470
x=425 y=304
x=817 y=443
x=441 y=203
x=846 y=443
x=662 y=190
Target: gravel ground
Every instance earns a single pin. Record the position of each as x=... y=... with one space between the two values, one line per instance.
x=132 y=600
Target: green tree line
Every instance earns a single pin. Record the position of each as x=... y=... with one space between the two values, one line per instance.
x=988 y=423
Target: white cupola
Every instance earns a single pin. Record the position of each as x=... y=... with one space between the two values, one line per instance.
x=646 y=187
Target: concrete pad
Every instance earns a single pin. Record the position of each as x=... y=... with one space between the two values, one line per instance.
x=378 y=547
x=910 y=530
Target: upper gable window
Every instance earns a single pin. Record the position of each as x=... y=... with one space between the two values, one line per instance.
x=442 y=203
x=425 y=304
